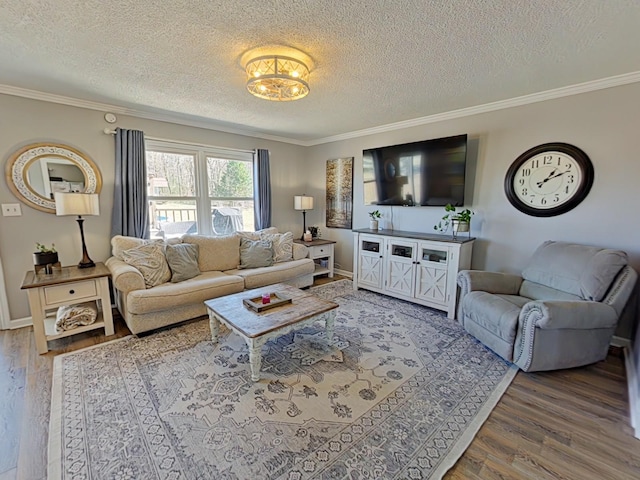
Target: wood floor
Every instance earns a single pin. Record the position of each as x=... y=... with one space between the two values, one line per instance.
x=570 y=424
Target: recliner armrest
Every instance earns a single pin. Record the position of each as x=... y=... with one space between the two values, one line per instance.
x=491 y=282
x=563 y=314
x=621 y=289
x=125 y=278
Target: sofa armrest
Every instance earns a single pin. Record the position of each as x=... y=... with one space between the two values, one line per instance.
x=562 y=334
x=577 y=315
x=491 y=282
x=300 y=251
x=125 y=278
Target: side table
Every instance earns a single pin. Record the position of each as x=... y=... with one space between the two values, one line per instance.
x=320 y=250
x=68 y=286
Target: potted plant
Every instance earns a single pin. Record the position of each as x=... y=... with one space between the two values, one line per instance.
x=460 y=221
x=45 y=255
x=373 y=223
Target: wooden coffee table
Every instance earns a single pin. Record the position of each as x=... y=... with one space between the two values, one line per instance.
x=256 y=328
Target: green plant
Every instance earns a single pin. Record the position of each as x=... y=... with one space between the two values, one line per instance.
x=43 y=249
x=375 y=215
x=451 y=215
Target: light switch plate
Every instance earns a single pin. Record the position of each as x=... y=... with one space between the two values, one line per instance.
x=11 y=210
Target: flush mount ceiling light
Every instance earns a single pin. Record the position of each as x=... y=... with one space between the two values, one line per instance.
x=277 y=73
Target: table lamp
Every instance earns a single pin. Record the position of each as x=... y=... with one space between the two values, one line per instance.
x=78 y=204
x=304 y=203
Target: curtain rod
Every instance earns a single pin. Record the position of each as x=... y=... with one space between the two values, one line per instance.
x=107 y=131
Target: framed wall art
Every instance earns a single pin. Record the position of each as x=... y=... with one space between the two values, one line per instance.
x=340 y=192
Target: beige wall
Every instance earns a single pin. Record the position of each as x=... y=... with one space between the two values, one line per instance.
x=24 y=121
x=604 y=124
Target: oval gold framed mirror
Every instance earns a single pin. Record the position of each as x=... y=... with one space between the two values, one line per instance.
x=35 y=172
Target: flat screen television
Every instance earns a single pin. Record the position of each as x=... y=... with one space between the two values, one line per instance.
x=427 y=173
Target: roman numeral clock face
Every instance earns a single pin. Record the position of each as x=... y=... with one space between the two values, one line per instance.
x=549 y=179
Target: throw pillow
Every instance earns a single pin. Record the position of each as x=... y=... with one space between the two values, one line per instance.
x=183 y=261
x=256 y=235
x=120 y=243
x=150 y=260
x=255 y=253
x=282 y=245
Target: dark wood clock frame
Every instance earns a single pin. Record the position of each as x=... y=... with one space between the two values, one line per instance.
x=581 y=159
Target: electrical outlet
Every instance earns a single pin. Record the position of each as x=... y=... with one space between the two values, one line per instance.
x=11 y=210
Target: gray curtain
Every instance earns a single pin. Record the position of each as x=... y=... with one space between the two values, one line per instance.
x=262 y=186
x=130 y=210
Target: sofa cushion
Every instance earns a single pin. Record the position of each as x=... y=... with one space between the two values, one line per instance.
x=576 y=269
x=183 y=261
x=205 y=286
x=282 y=245
x=216 y=253
x=536 y=291
x=277 y=273
x=149 y=259
x=496 y=313
x=255 y=253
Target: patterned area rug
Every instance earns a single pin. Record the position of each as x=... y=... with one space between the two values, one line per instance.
x=399 y=394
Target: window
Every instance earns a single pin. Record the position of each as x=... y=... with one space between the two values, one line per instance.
x=193 y=189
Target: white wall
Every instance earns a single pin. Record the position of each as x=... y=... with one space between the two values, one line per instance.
x=24 y=121
x=604 y=124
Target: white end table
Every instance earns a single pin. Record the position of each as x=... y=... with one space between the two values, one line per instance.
x=320 y=250
x=67 y=286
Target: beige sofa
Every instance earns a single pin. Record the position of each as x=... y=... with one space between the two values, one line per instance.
x=147 y=309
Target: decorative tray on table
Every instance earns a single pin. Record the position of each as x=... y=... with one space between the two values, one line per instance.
x=256 y=304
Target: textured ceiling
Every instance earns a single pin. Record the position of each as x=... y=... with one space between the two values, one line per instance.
x=376 y=62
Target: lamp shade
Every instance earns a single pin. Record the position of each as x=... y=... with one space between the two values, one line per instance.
x=302 y=202
x=77 y=204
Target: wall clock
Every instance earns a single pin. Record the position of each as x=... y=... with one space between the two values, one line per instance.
x=549 y=179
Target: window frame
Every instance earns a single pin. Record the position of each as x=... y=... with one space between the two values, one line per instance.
x=202 y=199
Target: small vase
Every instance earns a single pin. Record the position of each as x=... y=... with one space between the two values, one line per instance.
x=373 y=224
x=45 y=258
x=459 y=226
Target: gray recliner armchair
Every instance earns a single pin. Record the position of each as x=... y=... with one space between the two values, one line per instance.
x=560 y=313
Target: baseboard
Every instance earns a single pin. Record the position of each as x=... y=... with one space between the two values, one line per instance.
x=620 y=342
x=28 y=321
x=20 y=323
x=632 y=384
x=344 y=273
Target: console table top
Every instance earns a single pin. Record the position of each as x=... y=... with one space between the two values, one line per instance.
x=65 y=275
x=461 y=238
x=315 y=242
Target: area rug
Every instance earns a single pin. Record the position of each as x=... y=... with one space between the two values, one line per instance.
x=398 y=394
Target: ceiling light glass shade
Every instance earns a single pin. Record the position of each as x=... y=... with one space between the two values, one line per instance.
x=278 y=78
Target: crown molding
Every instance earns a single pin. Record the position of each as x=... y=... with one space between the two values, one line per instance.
x=609 y=82
x=161 y=117
x=579 y=88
